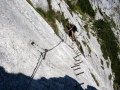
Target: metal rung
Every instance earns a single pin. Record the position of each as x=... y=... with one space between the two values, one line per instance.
x=79 y=84
x=74 y=66
x=76 y=56
x=78 y=63
x=79 y=73
x=76 y=60
x=76 y=69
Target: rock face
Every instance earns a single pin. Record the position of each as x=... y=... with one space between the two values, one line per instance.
x=111 y=9
x=33 y=57
x=41 y=4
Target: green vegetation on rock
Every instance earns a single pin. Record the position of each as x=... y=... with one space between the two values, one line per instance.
x=95 y=79
x=82 y=6
x=109 y=46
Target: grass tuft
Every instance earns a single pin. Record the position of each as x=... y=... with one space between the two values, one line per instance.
x=110 y=77
x=95 y=79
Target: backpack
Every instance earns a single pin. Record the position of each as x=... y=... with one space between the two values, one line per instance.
x=74 y=28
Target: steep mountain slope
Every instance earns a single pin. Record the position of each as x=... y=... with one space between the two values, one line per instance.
x=33 y=57
x=111 y=8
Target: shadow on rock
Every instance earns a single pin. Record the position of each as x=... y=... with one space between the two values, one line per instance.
x=10 y=81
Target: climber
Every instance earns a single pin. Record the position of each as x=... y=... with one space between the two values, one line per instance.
x=72 y=29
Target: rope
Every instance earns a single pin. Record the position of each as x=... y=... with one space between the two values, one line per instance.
x=42 y=54
x=65 y=36
x=35 y=70
x=54 y=46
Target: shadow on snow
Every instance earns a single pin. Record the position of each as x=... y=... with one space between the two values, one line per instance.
x=10 y=81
